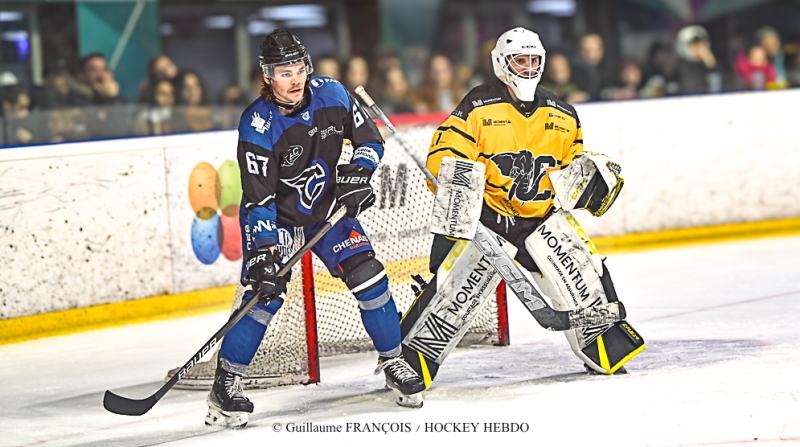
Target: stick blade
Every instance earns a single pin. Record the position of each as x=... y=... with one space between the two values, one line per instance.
x=128 y=407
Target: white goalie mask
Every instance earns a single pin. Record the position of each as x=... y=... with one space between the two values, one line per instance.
x=516 y=72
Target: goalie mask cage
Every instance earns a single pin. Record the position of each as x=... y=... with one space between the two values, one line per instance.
x=320 y=317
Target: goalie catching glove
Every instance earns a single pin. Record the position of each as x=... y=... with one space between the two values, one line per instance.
x=590 y=182
x=353 y=189
x=262 y=272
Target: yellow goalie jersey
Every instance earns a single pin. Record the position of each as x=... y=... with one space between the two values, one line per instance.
x=518 y=146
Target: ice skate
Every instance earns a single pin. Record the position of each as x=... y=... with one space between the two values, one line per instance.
x=406 y=384
x=592 y=372
x=227 y=405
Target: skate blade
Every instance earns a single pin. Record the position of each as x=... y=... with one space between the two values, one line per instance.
x=410 y=401
x=227 y=419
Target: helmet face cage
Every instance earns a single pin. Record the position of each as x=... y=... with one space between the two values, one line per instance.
x=523 y=72
x=269 y=69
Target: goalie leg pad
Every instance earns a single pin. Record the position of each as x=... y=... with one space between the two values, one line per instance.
x=459 y=198
x=573 y=276
x=444 y=310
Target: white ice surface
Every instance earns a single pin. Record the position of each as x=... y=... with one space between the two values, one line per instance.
x=722 y=367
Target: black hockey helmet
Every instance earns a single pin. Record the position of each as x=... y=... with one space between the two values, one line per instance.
x=281 y=47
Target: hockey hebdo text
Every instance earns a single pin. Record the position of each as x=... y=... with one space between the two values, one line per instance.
x=403 y=427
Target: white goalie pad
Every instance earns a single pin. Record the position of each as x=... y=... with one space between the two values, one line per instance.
x=571 y=271
x=592 y=181
x=459 y=198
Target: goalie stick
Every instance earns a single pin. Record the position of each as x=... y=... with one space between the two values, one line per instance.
x=137 y=407
x=546 y=316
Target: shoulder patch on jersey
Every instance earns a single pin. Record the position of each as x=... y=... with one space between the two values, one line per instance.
x=330 y=91
x=482 y=95
x=260 y=124
x=547 y=99
x=257 y=124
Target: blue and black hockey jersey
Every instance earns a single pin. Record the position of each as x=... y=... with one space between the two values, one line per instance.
x=288 y=163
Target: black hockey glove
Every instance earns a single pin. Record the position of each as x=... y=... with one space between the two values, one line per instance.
x=353 y=189
x=262 y=272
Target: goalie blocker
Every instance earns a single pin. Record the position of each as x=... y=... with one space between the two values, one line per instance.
x=574 y=276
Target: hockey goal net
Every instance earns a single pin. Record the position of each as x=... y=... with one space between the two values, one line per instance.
x=320 y=317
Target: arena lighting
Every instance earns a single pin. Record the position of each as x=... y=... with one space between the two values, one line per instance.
x=561 y=8
x=219 y=22
x=314 y=14
x=260 y=27
x=10 y=16
x=15 y=35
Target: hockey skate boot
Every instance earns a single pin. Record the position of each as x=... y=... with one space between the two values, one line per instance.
x=227 y=404
x=592 y=372
x=406 y=384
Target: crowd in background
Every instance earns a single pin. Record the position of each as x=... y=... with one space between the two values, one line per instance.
x=86 y=103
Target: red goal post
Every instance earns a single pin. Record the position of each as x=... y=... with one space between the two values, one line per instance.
x=320 y=317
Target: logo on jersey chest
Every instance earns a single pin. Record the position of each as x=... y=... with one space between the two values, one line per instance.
x=292 y=155
x=310 y=185
x=527 y=172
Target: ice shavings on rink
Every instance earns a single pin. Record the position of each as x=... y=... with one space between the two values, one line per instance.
x=721 y=322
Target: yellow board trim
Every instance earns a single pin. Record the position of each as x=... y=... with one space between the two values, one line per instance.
x=426 y=374
x=63 y=322
x=698 y=235
x=31 y=327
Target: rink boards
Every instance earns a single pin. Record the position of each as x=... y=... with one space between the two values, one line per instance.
x=84 y=224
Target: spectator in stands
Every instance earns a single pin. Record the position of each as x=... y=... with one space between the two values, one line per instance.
x=327 y=66
x=357 y=73
x=396 y=96
x=439 y=91
x=193 y=114
x=159 y=68
x=630 y=82
x=769 y=39
x=55 y=92
x=698 y=70
x=754 y=69
x=156 y=119
x=558 y=80
x=20 y=127
x=793 y=73
x=104 y=89
x=485 y=71
x=659 y=77
x=591 y=70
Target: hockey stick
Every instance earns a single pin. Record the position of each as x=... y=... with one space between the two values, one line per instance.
x=546 y=316
x=137 y=407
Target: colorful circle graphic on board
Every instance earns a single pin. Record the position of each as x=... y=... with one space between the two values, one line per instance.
x=214 y=195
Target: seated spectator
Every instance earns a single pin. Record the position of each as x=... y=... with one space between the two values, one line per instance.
x=357 y=73
x=793 y=73
x=439 y=91
x=192 y=115
x=754 y=69
x=55 y=91
x=591 y=69
x=327 y=66
x=160 y=68
x=659 y=77
x=630 y=77
x=156 y=119
x=66 y=125
x=20 y=127
x=698 y=70
x=769 y=39
x=396 y=95
x=558 y=80
x=104 y=89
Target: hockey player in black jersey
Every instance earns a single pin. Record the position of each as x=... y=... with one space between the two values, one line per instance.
x=290 y=142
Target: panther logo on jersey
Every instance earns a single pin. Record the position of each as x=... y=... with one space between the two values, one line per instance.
x=310 y=185
x=527 y=172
